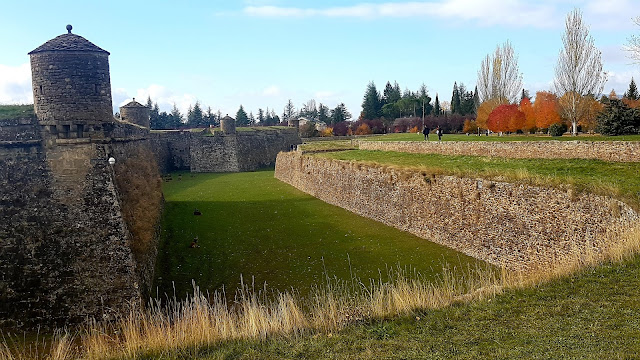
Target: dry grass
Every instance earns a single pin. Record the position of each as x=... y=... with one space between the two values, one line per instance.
x=201 y=320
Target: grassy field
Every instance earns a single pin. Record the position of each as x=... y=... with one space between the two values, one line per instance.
x=594 y=314
x=258 y=227
x=618 y=179
x=15 y=111
x=495 y=137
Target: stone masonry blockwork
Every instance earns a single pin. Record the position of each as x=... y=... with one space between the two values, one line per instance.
x=620 y=151
x=513 y=225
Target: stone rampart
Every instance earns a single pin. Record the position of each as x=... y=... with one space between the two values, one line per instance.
x=220 y=152
x=64 y=249
x=620 y=151
x=513 y=225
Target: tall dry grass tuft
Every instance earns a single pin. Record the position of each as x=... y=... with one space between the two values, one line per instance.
x=201 y=320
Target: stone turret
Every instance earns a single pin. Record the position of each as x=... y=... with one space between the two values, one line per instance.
x=135 y=113
x=228 y=125
x=72 y=88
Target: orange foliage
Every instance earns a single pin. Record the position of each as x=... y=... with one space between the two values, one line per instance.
x=414 y=130
x=529 y=115
x=506 y=118
x=469 y=127
x=483 y=112
x=592 y=110
x=546 y=110
x=363 y=129
x=327 y=132
x=635 y=104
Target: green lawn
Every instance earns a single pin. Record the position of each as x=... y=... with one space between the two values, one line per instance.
x=257 y=226
x=608 y=178
x=592 y=315
x=16 y=111
x=495 y=137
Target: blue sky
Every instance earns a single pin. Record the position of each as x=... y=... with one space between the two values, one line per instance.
x=260 y=53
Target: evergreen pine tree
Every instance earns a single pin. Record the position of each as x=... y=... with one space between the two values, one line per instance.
x=289 y=111
x=195 y=117
x=241 y=117
x=371 y=103
x=632 y=92
x=455 y=100
x=176 y=120
x=618 y=119
x=261 y=117
x=437 y=110
x=323 y=113
x=476 y=100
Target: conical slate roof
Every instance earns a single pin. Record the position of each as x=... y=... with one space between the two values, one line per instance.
x=68 y=42
x=133 y=104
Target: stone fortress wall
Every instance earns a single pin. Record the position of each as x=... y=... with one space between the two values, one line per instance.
x=619 y=151
x=67 y=242
x=513 y=225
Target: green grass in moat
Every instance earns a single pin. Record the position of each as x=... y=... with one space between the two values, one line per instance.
x=495 y=137
x=253 y=224
x=621 y=180
x=594 y=314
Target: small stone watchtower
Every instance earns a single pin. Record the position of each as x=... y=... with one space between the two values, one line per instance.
x=135 y=113
x=228 y=125
x=72 y=88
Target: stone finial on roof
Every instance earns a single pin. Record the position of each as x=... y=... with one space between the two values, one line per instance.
x=69 y=27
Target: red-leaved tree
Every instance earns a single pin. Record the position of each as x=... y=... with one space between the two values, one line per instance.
x=506 y=118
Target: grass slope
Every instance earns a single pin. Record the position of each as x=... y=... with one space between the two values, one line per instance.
x=592 y=315
x=15 y=111
x=257 y=226
x=618 y=179
x=495 y=137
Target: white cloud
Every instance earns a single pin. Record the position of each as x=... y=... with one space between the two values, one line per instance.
x=272 y=90
x=619 y=81
x=507 y=12
x=611 y=14
x=15 y=84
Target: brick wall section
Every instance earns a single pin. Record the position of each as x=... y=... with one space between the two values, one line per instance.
x=515 y=225
x=620 y=151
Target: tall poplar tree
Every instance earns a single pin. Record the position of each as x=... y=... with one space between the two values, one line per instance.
x=455 y=100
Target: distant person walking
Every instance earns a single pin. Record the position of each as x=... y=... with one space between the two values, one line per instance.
x=425 y=131
x=439 y=133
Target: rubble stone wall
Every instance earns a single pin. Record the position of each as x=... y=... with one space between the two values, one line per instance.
x=513 y=225
x=620 y=151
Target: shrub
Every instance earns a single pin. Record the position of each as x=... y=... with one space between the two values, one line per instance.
x=327 y=132
x=308 y=130
x=341 y=128
x=363 y=129
x=557 y=129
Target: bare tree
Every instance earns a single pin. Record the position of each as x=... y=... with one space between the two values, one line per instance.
x=633 y=44
x=578 y=71
x=499 y=78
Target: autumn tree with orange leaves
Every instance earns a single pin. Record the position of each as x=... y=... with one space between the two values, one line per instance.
x=530 y=119
x=506 y=118
x=546 y=109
